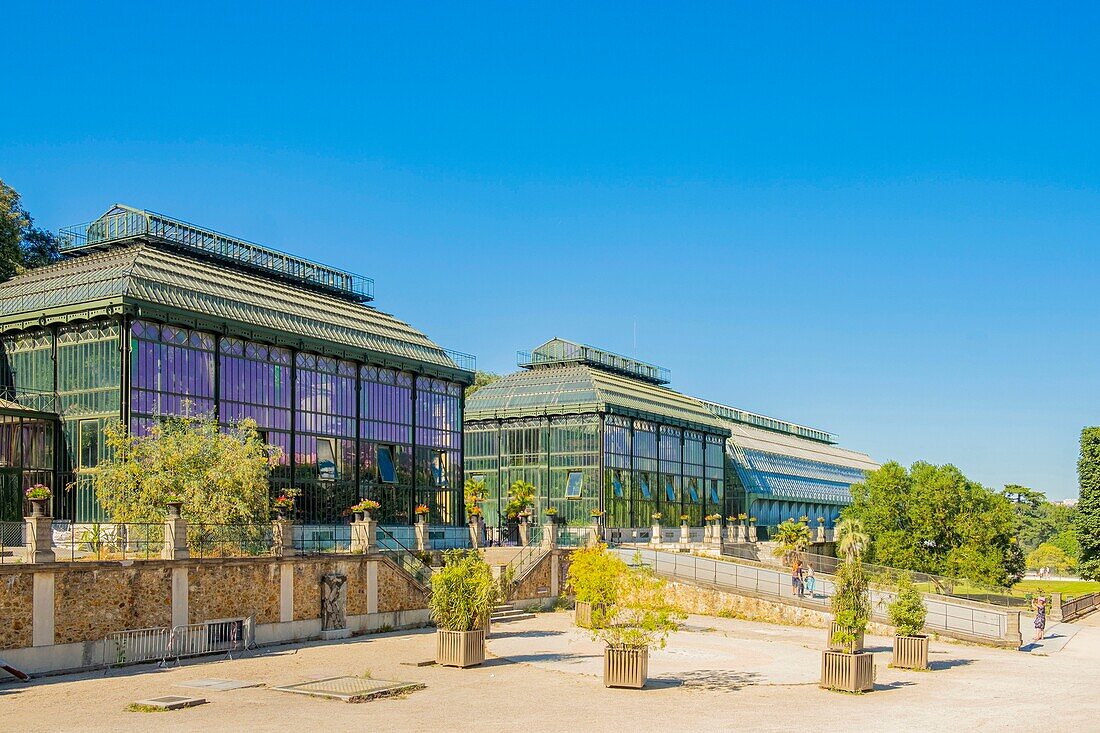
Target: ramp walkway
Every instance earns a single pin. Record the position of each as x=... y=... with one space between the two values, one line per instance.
x=947 y=616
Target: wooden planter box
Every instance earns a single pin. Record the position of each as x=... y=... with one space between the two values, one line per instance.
x=625 y=667
x=910 y=652
x=848 y=672
x=833 y=628
x=459 y=648
x=582 y=614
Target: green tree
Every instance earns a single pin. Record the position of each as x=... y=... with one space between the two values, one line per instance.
x=481 y=379
x=221 y=475
x=1066 y=541
x=521 y=497
x=1049 y=556
x=851 y=540
x=851 y=602
x=933 y=519
x=792 y=538
x=1087 y=518
x=1039 y=519
x=907 y=612
x=22 y=244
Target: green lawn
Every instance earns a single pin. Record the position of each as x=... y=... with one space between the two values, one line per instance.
x=1065 y=587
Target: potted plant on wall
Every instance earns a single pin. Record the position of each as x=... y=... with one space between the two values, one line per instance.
x=174 y=502
x=284 y=503
x=39 y=496
x=593 y=579
x=463 y=596
x=847 y=667
x=365 y=509
x=639 y=618
x=907 y=615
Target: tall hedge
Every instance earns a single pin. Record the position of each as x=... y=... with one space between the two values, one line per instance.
x=1087 y=522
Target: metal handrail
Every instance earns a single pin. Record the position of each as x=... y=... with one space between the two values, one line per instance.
x=405 y=558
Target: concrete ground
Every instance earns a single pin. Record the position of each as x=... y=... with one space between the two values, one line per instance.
x=544 y=674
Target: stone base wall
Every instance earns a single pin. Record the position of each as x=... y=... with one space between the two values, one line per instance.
x=711 y=602
x=16 y=610
x=225 y=589
x=89 y=604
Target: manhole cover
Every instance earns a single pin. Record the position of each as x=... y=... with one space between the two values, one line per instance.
x=351 y=689
x=171 y=702
x=216 y=684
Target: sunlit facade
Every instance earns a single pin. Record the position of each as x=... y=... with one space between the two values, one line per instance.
x=594 y=430
x=149 y=317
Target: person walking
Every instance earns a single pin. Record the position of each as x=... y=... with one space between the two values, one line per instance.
x=1040 y=617
x=810 y=580
x=796 y=578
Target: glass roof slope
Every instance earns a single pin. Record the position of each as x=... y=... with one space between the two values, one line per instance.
x=146 y=275
x=572 y=388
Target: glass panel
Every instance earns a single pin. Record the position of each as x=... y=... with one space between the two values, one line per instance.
x=617 y=483
x=326 y=458
x=89 y=444
x=573 y=485
x=387 y=473
x=643 y=485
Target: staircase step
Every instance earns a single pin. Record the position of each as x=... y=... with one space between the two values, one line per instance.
x=510 y=616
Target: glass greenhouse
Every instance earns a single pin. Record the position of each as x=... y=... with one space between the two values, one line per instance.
x=595 y=430
x=148 y=317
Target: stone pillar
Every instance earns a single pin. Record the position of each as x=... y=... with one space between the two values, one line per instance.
x=364 y=536
x=372 y=586
x=685 y=534
x=731 y=532
x=524 y=532
x=1012 y=637
x=39 y=539
x=180 y=590
x=282 y=531
x=550 y=535
x=655 y=534
x=175 y=539
x=555 y=574
x=1054 y=612
x=752 y=533
x=421 y=529
x=286 y=592
x=42 y=608
x=821 y=533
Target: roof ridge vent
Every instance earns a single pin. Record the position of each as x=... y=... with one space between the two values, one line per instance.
x=561 y=351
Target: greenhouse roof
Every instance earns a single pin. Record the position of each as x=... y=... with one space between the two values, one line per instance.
x=155 y=282
x=577 y=388
x=561 y=351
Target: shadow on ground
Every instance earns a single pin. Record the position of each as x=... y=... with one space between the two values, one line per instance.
x=949 y=664
x=723 y=680
x=534 y=658
x=524 y=634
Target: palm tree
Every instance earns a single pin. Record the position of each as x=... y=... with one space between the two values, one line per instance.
x=851 y=539
x=791 y=538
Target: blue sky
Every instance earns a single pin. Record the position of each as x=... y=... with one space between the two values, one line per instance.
x=877 y=221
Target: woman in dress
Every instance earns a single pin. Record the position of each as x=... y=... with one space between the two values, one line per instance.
x=1040 y=617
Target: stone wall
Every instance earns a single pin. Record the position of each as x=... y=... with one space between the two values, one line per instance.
x=16 y=610
x=711 y=602
x=231 y=589
x=397 y=591
x=537 y=578
x=89 y=604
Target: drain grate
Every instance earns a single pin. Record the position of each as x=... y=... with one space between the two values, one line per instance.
x=351 y=689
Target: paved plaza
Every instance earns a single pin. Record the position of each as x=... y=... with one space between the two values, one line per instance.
x=716 y=674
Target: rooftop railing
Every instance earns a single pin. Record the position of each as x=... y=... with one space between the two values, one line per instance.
x=32 y=399
x=561 y=351
x=123 y=223
x=467 y=362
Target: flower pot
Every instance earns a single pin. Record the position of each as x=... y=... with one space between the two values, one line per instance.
x=38 y=507
x=582 y=614
x=459 y=648
x=834 y=628
x=627 y=667
x=174 y=509
x=848 y=672
x=357 y=516
x=910 y=652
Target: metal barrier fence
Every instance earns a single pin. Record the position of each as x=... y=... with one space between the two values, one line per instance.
x=943 y=615
x=1074 y=608
x=230 y=540
x=574 y=536
x=883 y=575
x=12 y=539
x=107 y=541
x=162 y=643
x=322 y=539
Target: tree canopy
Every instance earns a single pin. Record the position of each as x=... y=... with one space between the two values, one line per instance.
x=933 y=519
x=1040 y=520
x=481 y=379
x=221 y=475
x=22 y=244
x=1087 y=518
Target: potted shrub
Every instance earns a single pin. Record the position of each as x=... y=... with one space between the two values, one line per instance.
x=422 y=511
x=174 y=502
x=39 y=496
x=552 y=515
x=907 y=615
x=463 y=596
x=365 y=509
x=284 y=504
x=637 y=619
x=848 y=667
x=593 y=579
x=655 y=529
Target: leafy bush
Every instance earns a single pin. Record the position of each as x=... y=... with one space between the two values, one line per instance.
x=521 y=497
x=594 y=577
x=463 y=592
x=907 y=612
x=1049 y=556
x=851 y=603
x=791 y=538
x=640 y=616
